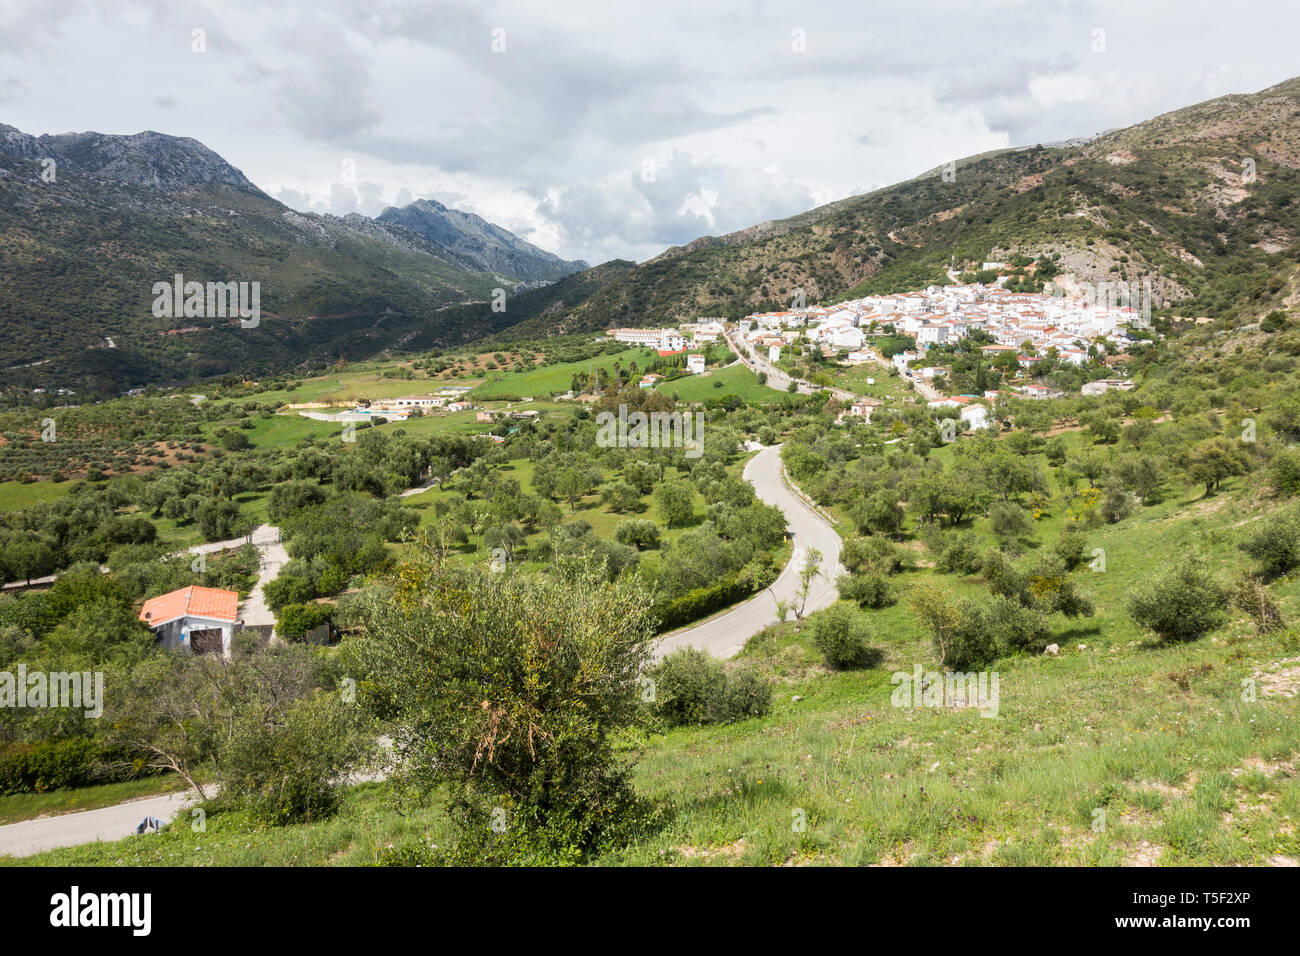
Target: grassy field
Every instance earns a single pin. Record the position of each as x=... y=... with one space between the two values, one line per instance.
x=555 y=379
x=1114 y=753
x=735 y=379
x=362 y=381
x=17 y=495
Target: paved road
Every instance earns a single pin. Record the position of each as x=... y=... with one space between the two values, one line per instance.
x=776 y=378
x=89 y=826
x=725 y=635
x=274 y=557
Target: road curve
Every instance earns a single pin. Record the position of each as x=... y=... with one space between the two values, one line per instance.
x=727 y=634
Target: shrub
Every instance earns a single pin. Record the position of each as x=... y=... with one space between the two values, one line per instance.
x=557 y=658
x=1275 y=544
x=1181 y=603
x=1010 y=521
x=871 y=553
x=1004 y=578
x=871 y=591
x=688 y=682
x=640 y=533
x=1052 y=590
x=1117 y=504
x=1011 y=626
x=701 y=602
x=748 y=694
x=293 y=621
x=47 y=765
x=693 y=687
x=1284 y=472
x=1070 y=548
x=843 y=637
x=284 y=770
x=959 y=555
x=1251 y=596
x=959 y=628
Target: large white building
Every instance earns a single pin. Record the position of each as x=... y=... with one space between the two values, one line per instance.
x=665 y=340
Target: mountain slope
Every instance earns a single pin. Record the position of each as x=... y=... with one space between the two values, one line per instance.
x=477 y=241
x=83 y=242
x=1163 y=200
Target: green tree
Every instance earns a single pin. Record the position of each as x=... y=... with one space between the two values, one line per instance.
x=675 y=500
x=512 y=691
x=1180 y=603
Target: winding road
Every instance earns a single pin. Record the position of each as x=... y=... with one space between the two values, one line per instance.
x=722 y=636
x=726 y=634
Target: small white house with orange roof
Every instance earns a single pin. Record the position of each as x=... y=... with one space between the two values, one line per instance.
x=198 y=619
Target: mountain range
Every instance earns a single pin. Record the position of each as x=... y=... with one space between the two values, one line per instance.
x=1202 y=202
x=90 y=222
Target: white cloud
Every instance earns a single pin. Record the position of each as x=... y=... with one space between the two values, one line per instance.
x=549 y=138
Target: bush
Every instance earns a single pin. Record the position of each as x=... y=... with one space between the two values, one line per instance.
x=1181 y=603
x=48 y=765
x=1010 y=626
x=959 y=555
x=693 y=687
x=959 y=629
x=558 y=658
x=641 y=533
x=293 y=621
x=701 y=602
x=688 y=682
x=871 y=553
x=1251 y=596
x=1070 y=548
x=748 y=694
x=843 y=637
x=1275 y=544
x=284 y=771
x=1010 y=521
x=870 y=591
x=1117 y=504
x=1284 y=472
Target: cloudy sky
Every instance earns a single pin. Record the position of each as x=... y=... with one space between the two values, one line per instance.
x=617 y=128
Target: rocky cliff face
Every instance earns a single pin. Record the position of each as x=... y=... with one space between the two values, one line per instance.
x=488 y=247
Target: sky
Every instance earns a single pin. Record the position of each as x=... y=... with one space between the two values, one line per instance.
x=615 y=129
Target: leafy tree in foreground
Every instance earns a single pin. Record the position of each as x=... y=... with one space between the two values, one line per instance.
x=512 y=691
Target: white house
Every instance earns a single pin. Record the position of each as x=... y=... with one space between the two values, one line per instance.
x=846 y=338
x=198 y=619
x=774 y=354
x=1103 y=385
x=975 y=416
x=707 y=332
x=695 y=364
x=931 y=333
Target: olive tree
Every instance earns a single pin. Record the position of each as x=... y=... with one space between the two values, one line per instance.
x=512 y=691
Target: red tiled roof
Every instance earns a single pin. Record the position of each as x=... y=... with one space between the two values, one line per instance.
x=193 y=601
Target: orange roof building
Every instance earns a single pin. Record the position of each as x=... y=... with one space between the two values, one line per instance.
x=194 y=618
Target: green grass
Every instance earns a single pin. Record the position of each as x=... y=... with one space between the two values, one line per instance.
x=556 y=379
x=736 y=380
x=17 y=495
